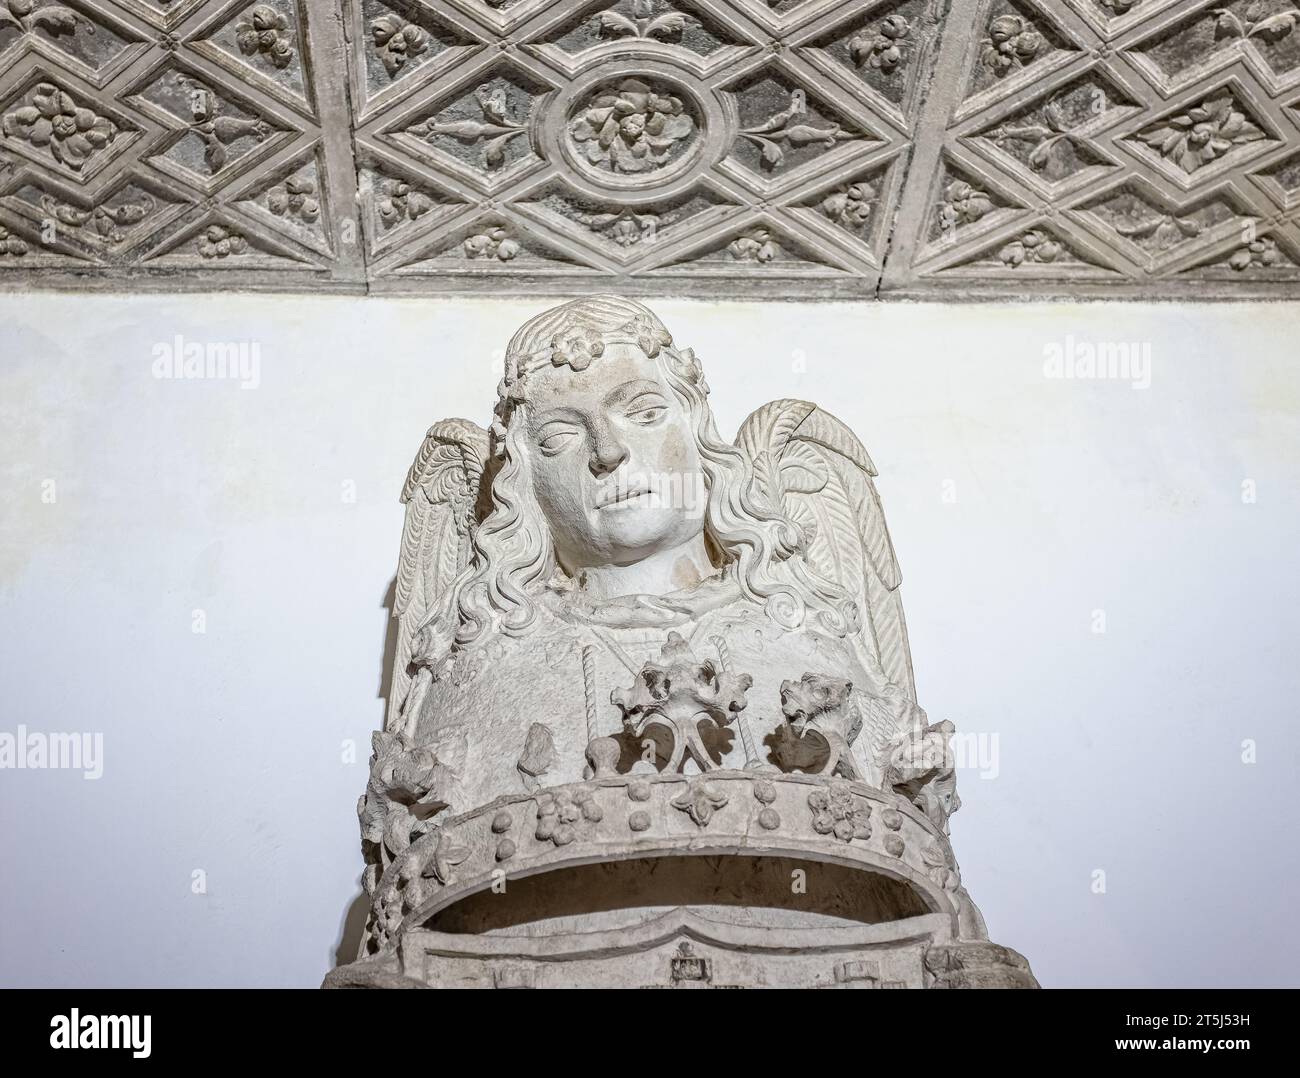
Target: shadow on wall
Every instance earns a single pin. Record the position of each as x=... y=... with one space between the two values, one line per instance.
x=353 y=921
x=350 y=928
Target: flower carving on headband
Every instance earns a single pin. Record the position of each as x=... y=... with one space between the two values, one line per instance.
x=649 y=335
x=576 y=348
x=688 y=367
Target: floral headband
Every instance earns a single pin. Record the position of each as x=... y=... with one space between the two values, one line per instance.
x=576 y=347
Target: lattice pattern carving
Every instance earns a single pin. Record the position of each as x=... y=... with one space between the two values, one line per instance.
x=854 y=148
x=1149 y=152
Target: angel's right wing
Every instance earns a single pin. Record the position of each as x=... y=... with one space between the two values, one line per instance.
x=444 y=498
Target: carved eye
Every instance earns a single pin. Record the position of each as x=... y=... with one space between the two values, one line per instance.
x=555 y=441
x=647 y=414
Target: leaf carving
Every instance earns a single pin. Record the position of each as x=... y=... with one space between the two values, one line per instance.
x=465 y=130
x=671 y=22
x=214 y=154
x=772 y=154
x=1276 y=26
x=494 y=153
x=1229 y=24
x=1139 y=230
x=613 y=22
x=1042 y=155
x=58 y=20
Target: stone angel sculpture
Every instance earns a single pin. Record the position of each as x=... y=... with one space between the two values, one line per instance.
x=546 y=561
x=624 y=641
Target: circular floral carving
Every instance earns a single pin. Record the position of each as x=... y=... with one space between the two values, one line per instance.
x=836 y=813
x=1200 y=135
x=892 y=818
x=633 y=127
x=505 y=849
x=1034 y=246
x=397 y=41
x=893 y=845
x=639 y=820
x=851 y=206
x=295 y=197
x=560 y=834
x=884 y=49
x=559 y=811
x=54 y=119
x=11 y=244
x=769 y=819
x=1261 y=252
x=1012 y=42
x=501 y=822
x=639 y=790
x=217 y=241
x=963 y=204
x=265 y=31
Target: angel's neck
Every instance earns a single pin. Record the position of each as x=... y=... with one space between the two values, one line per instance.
x=676 y=569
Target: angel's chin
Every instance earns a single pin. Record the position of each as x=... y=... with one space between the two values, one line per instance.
x=642 y=528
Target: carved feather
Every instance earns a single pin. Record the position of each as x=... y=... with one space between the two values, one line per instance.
x=812 y=465
x=442 y=495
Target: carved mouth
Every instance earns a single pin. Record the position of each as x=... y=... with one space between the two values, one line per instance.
x=624 y=496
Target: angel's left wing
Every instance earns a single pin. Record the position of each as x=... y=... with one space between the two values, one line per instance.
x=444 y=501
x=813 y=467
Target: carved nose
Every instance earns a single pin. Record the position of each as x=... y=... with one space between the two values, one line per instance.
x=606 y=456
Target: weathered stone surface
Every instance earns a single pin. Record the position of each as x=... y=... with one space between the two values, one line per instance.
x=183 y=145
x=653 y=692
x=788 y=148
x=1106 y=147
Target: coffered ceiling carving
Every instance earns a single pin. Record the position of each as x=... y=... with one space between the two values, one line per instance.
x=774 y=148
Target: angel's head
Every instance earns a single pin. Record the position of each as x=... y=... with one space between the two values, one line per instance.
x=611 y=430
x=606 y=453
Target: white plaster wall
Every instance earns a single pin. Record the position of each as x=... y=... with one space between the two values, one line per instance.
x=223 y=750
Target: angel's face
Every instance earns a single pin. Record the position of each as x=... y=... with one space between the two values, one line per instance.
x=614 y=463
